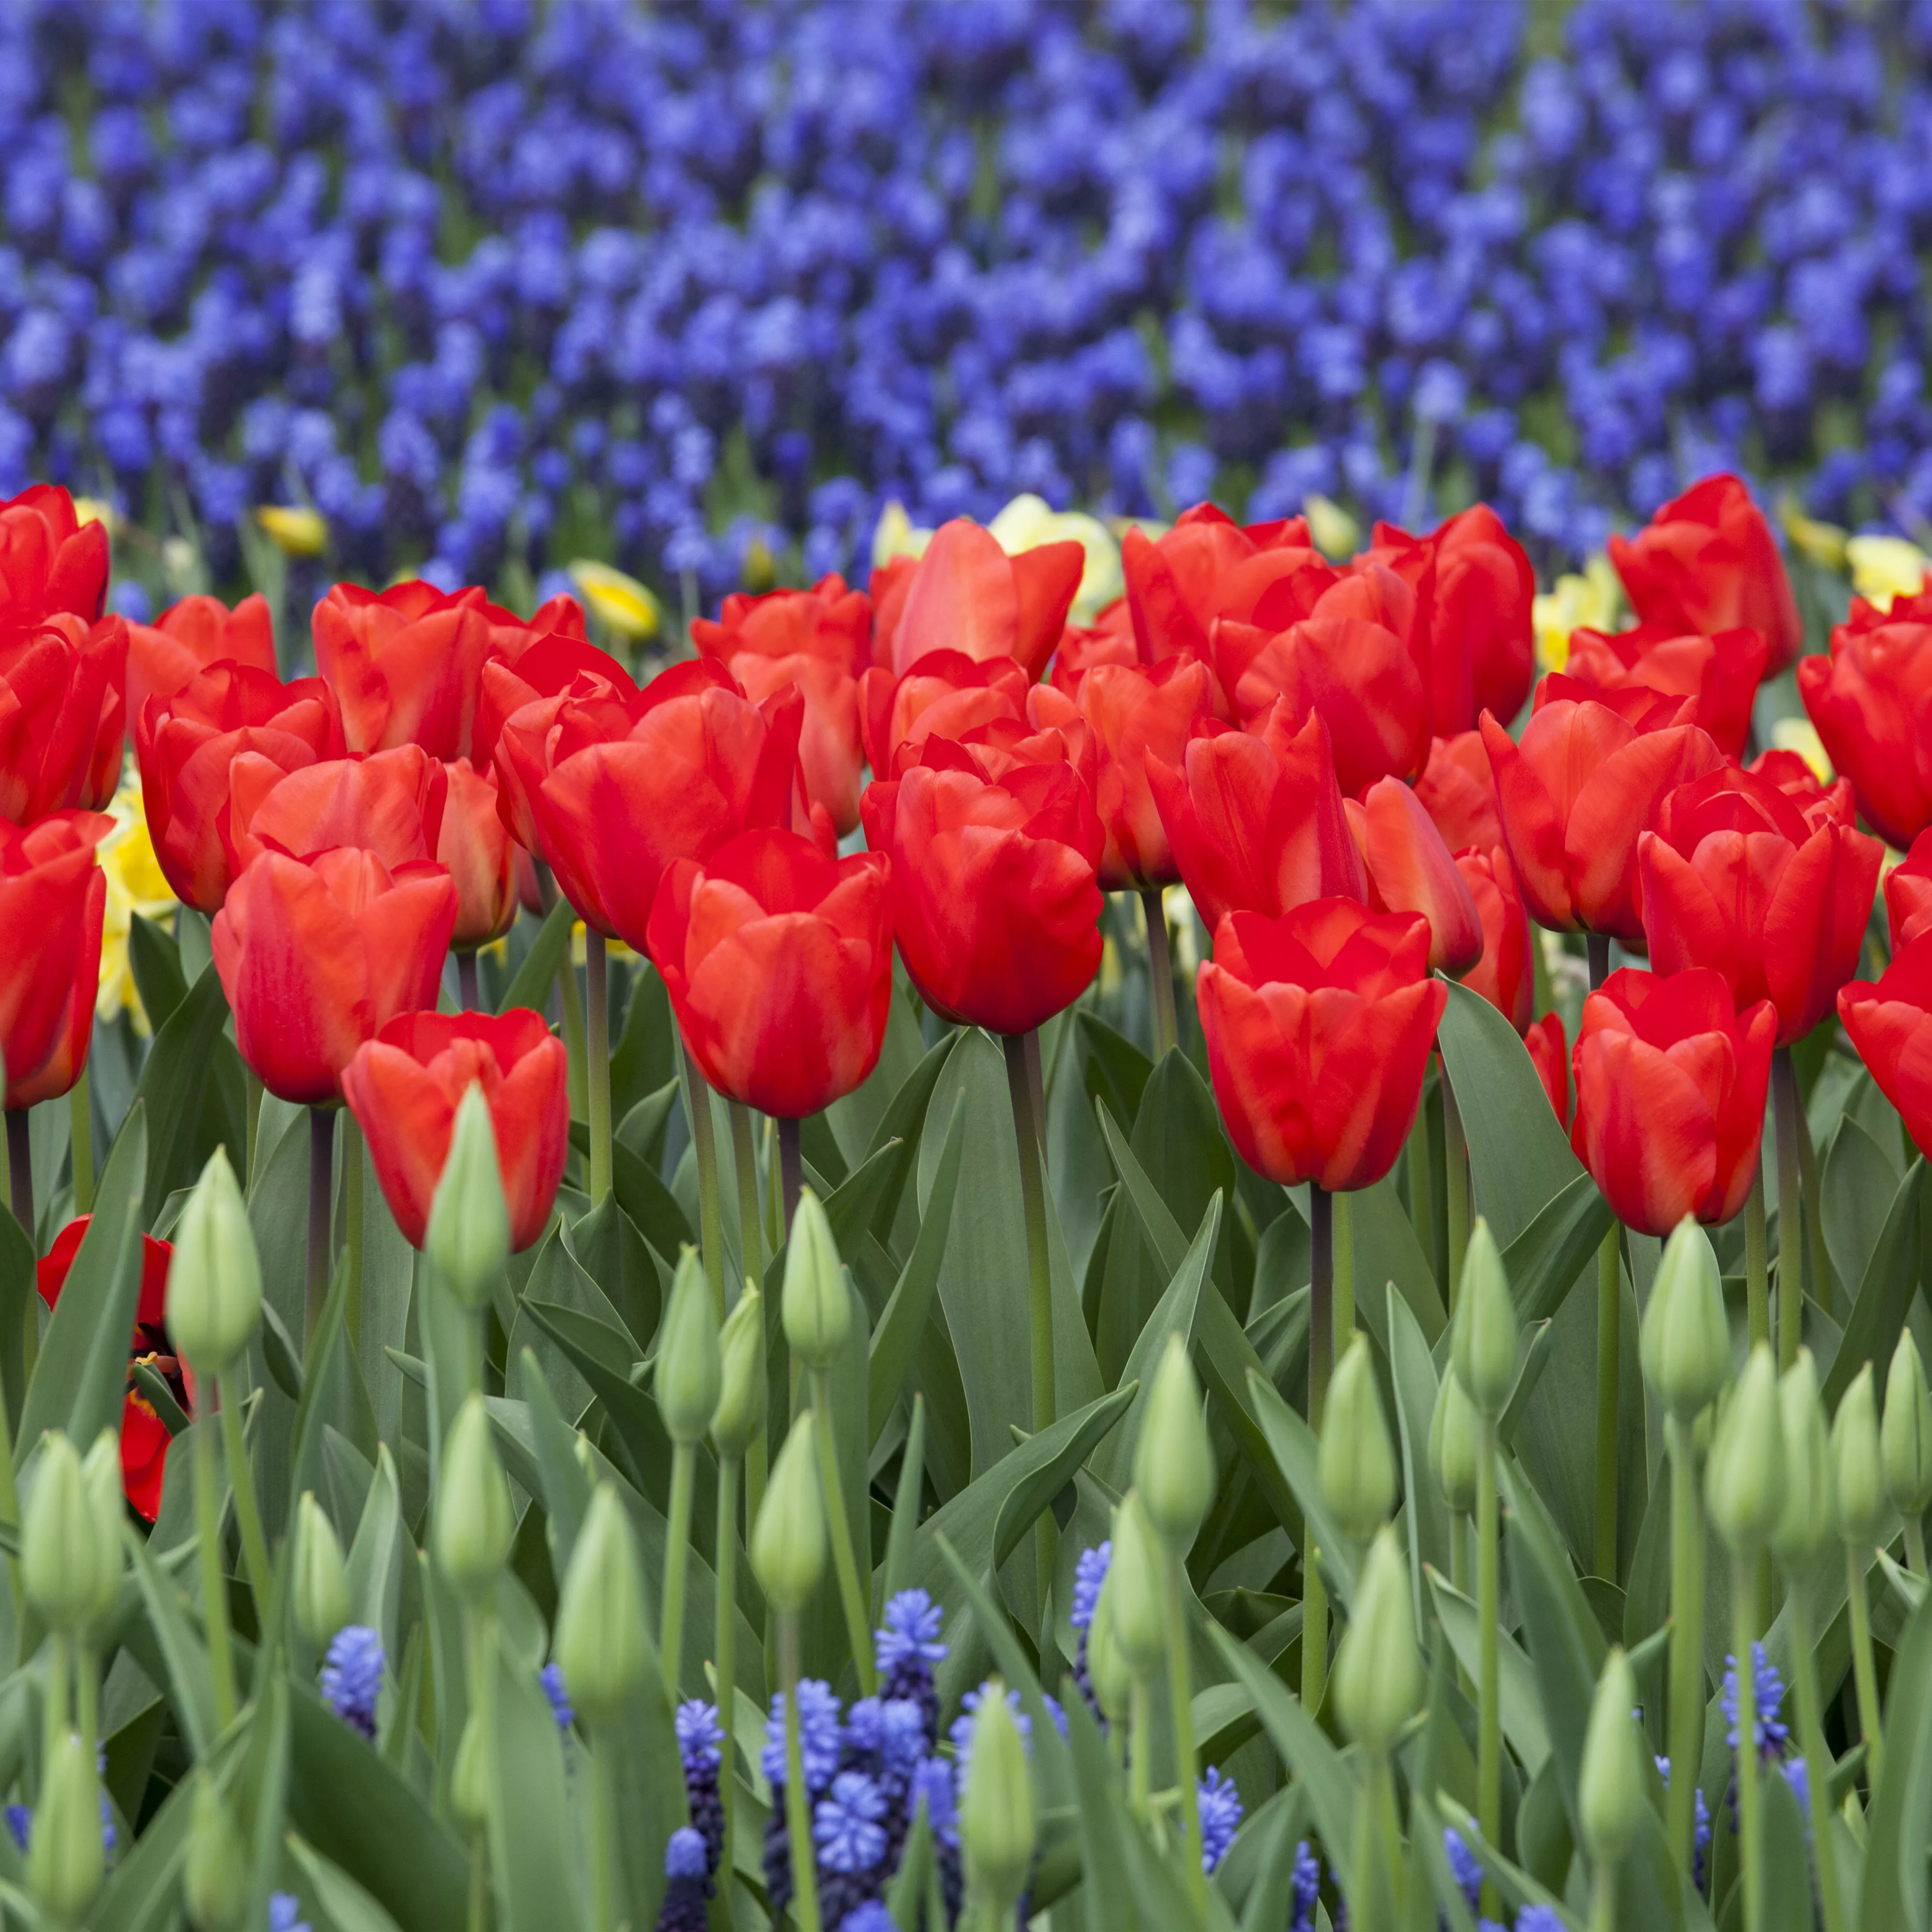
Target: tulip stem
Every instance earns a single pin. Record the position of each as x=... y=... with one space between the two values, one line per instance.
x=724 y=1648
x=468 y=988
x=251 y=1082
x=80 y=1129
x=352 y=1220
x=1160 y=974
x=579 y=1074
x=1455 y=1186
x=1814 y=1214
x=1421 y=1195
x=213 y=1578
x=1915 y=1545
x=798 y=1813
x=1687 y=1640
x=1320 y=1355
x=1864 y=1671
x=1180 y=1694
x=1026 y=1136
x=1790 y=1208
x=1603 y=1898
x=677 y=1541
x=604 y=1832
x=60 y=1672
x=1361 y=1911
x=751 y=1224
x=704 y=1155
x=1610 y=1310
x=1751 y=1825
x=1597 y=945
x=248 y=1518
x=321 y=1207
x=1140 y=1763
x=1757 y=1266
x=1817 y=1756
x=1489 y=1611
x=20 y=1173
x=791 y=1173
x=597 y=1064
x=855 y=1590
x=1345 y=1273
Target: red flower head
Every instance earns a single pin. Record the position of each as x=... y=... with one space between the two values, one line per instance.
x=473 y=842
x=405 y=1085
x=1721 y=672
x=1505 y=974
x=1890 y=1023
x=1670 y=1088
x=391 y=803
x=50 y=562
x=1458 y=791
x=1820 y=803
x=967 y=595
x=948 y=695
x=1108 y=639
x=61 y=715
x=53 y=896
x=1410 y=870
x=1208 y=567
x=1549 y=1052
x=163 y=657
x=1319 y=1026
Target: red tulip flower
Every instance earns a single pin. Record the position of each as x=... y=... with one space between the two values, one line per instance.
x=1208 y=567
x=53 y=895
x=163 y=657
x=1581 y=787
x=1890 y=1023
x=1869 y=700
x=1908 y=894
x=779 y=962
x=1708 y=562
x=1734 y=879
x=1792 y=776
x=1458 y=791
x=391 y=803
x=62 y=717
x=946 y=696
x=1319 y=1026
x=317 y=955
x=1670 y=1087
x=1410 y=870
x=50 y=562
x=473 y=842
x=967 y=595
x=1722 y=672
x=1505 y=974
x=993 y=884
x=1108 y=639
x=405 y=1084
x=1549 y=1053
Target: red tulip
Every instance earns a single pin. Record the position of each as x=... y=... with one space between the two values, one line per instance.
x=1820 y=803
x=317 y=955
x=1108 y=639
x=1458 y=791
x=1707 y=562
x=1505 y=974
x=163 y=657
x=778 y=961
x=1052 y=733
x=189 y=745
x=1319 y=1026
x=1722 y=672
x=1208 y=567
x=967 y=595
x=49 y=560
x=1890 y=1024
x=391 y=803
x=947 y=695
x=473 y=842
x=994 y=885
x=1733 y=878
x=405 y=1084
x=1256 y=821
x=1869 y=700
x=53 y=896
x=1670 y=1088
x=1582 y=785
x=1410 y=870
x=61 y=715
x=1549 y=1052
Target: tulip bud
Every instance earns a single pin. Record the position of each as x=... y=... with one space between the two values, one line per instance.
x=468 y=1237
x=102 y=1469
x=1107 y=1668
x=474 y=1526
x=688 y=1370
x=1378 y=1682
x=214 y=1277
x=601 y=1645
x=1357 y=1461
x=65 y=1862
x=740 y=1413
x=1132 y=1590
x=1454 y=1444
x=1610 y=1793
x=1685 y=1341
x=469 y=1775
x=214 y=1873
x=60 y=1543
x=996 y=1821
x=1484 y=1344
x=1858 y=1474
x=788 y=1539
x=817 y=1308
x=1905 y=1435
x=1174 y=1461
x=1744 y=1484
x=321 y=1583
x=1805 y=1524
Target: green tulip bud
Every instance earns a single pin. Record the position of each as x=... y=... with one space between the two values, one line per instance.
x=214 y=1277
x=475 y=1527
x=214 y=1873
x=321 y=1583
x=1484 y=1343
x=1858 y=1468
x=60 y=1556
x=468 y=1237
x=816 y=1306
x=66 y=1864
x=1357 y=1461
x=996 y=1820
x=102 y=1468
x=1378 y=1680
x=1685 y=1341
x=788 y=1539
x=1174 y=1461
x=1610 y=1788
x=1744 y=1483
x=469 y=1775
x=740 y=1413
x=1805 y=1522
x=601 y=1645
x=1906 y=1434
x=689 y=1369
x=1454 y=1441
x=1132 y=1590
x=1107 y=1668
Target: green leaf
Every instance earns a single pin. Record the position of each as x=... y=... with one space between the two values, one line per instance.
x=1894 y=1897
x=377 y=1555
x=155 y=960
x=1107 y=1895
x=602 y=1355
x=19 y=1284
x=1859 y=1180
x=896 y=1335
x=1885 y=1293
x=1413 y=1376
x=1516 y=1677
x=283 y=1357
x=173 y=1084
x=1116 y=1071
x=1296 y=1453
x=190 y=1685
x=1544 y=1262
x=631 y=1270
x=534 y=978
x=342 y=1903
x=645 y=1060
x=531 y=1854
x=565 y=1488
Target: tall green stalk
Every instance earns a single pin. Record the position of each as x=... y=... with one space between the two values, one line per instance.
x=677 y=1544
x=352 y=1217
x=855 y=1591
x=597 y=1063
x=1140 y=1792
x=798 y=1814
x=248 y=1516
x=1817 y=1756
x=1750 y=1822
x=1814 y=1215
x=704 y=1155
x=1790 y=1209
x=1362 y=1895
x=1160 y=974
x=1181 y=1695
x=1489 y=1614
x=1609 y=1308
x=724 y=1657
x=1864 y=1671
x=214 y=1578
x=80 y=1129
x=1757 y=1263
x=745 y=1170
x=1027 y=1134
x=577 y=1071
x=604 y=1832
x=1455 y=1186
x=1321 y=1360
x=1686 y=1639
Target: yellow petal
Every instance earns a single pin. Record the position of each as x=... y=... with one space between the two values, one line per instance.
x=296 y=531
x=615 y=599
x=1883 y=568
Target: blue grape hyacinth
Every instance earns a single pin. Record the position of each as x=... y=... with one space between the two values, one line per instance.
x=352 y=1676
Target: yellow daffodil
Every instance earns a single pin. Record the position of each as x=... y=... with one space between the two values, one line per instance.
x=295 y=530
x=1335 y=532
x=1593 y=601
x=616 y=599
x=1883 y=568
x=1029 y=521
x=1800 y=735
x=135 y=884
x=1822 y=543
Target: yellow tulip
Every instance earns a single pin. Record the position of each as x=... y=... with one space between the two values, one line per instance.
x=1883 y=568
x=135 y=884
x=1593 y=601
x=294 y=530
x=616 y=599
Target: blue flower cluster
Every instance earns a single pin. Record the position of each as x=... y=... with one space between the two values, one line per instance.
x=352 y=1676
x=1467 y=1870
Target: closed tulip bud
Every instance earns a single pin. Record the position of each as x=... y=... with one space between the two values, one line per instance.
x=214 y=1276
x=1107 y=1668
x=66 y=1863
x=474 y=1526
x=817 y=1308
x=740 y=1413
x=1685 y=1341
x=1133 y=1589
x=1484 y=1344
x=1804 y=1525
x=788 y=1539
x=1857 y=1470
x=688 y=1370
x=996 y=1821
x=1744 y=1484
x=215 y=1873
x=1454 y=1444
x=469 y=1775
x=1905 y=1435
x=1610 y=1791
x=60 y=1544
x=468 y=1237
x=102 y=1468
x=1174 y=1461
x=1358 y=1460
x=601 y=1647
x=1378 y=1680
x=321 y=1583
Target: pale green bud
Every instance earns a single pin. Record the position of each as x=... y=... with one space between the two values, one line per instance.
x=321 y=1582
x=740 y=1413
x=102 y=1468
x=1483 y=1346
x=817 y=1308
x=474 y=1526
x=214 y=1873
x=1174 y=1461
x=1685 y=1341
x=788 y=1539
x=689 y=1369
x=602 y=1648
x=1132 y=1590
x=1610 y=1786
x=1107 y=1668
x=214 y=1276
x=1455 y=1440
x=66 y=1863
x=1378 y=1683
x=1744 y=1482
x=469 y=1775
x=996 y=1821
x=468 y=1237
x=1906 y=1434
x=60 y=1556
x=1357 y=1461
x=1805 y=1524
x=1858 y=1471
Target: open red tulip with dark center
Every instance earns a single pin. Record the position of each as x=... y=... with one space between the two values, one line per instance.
x=61 y=716
x=1721 y=672
x=49 y=560
x=53 y=895
x=405 y=1084
x=779 y=962
x=1409 y=870
x=1207 y=567
x=1890 y=1023
x=1670 y=1085
x=163 y=657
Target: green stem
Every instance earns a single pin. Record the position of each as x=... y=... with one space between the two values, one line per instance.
x=1686 y=1639
x=1790 y=1209
x=20 y=1175
x=252 y=1086
x=578 y=1075
x=1181 y=1695
x=60 y=1675
x=1863 y=1670
x=1421 y=1192
x=247 y=1517
x=1160 y=974
x=1458 y=1581
x=10 y=1495
x=1603 y=1899
x=1814 y=1214
x=1914 y=1546
x=1345 y=1272
x=1033 y=1194
x=1489 y=1611
x=1142 y=1763
x=214 y=1578
x=855 y=1590
x=1817 y=1756
x=80 y=1129
x=725 y=1653
x=87 y=1694
x=1750 y=1825
x=480 y=1630
x=704 y=1153
x=1609 y=1308
x=751 y=1223
x=479 y=1886
x=1757 y=1265
x=1361 y=1892
x=597 y=1063
x=603 y=1833
x=1455 y=1186
x=352 y=1215
x=1321 y=1356
x=321 y=1210
x=798 y=1815
x=677 y=1542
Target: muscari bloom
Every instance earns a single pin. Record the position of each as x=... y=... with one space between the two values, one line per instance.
x=1307 y=1888
x=1221 y=1808
x=846 y=1826
x=352 y=1676
x=700 y=1743
x=551 y=1678
x=1773 y=1736
x=687 y=1882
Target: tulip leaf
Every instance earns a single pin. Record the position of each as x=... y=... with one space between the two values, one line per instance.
x=896 y=1334
x=343 y=1902
x=643 y=1060
x=1107 y=1894
x=905 y=1113
x=564 y=1487
x=185 y=1673
x=1546 y=1260
x=1293 y=1445
x=155 y=961
x=1413 y=1376
x=1893 y=1896
x=1522 y=1714
x=609 y=1246
x=173 y=1084
x=281 y=1354
x=159 y=1397
x=374 y=1569
x=863 y=1202
x=19 y=1284
x=556 y=1277
x=531 y=1855
x=1859 y=1181
x=1161 y=1231
x=1885 y=1294
x=1533 y=1357
x=530 y=985
x=601 y=1354
x=1116 y=1071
